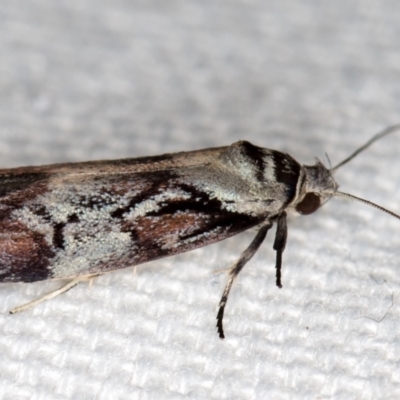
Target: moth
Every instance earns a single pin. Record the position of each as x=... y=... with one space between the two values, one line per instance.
x=80 y=220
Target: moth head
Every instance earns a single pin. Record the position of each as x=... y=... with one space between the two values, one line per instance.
x=318 y=184
x=317 y=187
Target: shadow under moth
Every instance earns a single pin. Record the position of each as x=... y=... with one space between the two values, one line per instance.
x=80 y=220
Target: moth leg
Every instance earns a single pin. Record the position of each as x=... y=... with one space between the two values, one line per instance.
x=236 y=268
x=279 y=245
x=90 y=283
x=53 y=294
x=219 y=270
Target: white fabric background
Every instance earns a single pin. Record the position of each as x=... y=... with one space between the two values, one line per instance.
x=111 y=79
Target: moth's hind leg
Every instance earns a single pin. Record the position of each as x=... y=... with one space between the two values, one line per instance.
x=236 y=268
x=53 y=294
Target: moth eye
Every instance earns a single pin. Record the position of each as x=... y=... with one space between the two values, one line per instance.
x=309 y=204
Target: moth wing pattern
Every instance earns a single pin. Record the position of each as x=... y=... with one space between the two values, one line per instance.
x=71 y=220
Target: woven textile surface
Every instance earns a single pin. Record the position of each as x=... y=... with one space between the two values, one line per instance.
x=113 y=79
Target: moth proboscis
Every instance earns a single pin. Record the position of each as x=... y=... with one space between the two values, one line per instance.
x=80 y=220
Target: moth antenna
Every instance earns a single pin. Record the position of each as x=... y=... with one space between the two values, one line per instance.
x=329 y=160
x=352 y=197
x=374 y=138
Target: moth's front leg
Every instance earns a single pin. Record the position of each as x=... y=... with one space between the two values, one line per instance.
x=279 y=245
x=236 y=268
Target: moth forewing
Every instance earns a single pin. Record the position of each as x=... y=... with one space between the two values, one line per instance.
x=81 y=220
